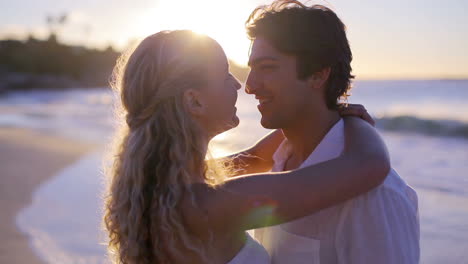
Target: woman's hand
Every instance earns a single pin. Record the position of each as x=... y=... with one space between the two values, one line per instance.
x=356 y=110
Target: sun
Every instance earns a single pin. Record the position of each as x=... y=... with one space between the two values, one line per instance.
x=221 y=20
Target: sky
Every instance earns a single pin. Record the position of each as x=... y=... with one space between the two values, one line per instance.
x=398 y=39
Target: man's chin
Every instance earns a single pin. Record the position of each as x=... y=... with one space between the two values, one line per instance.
x=267 y=124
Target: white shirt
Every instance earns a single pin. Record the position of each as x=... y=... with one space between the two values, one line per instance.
x=381 y=226
x=251 y=253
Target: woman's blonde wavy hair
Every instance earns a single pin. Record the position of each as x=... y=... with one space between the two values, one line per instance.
x=158 y=150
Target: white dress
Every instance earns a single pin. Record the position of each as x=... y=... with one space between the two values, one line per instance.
x=251 y=253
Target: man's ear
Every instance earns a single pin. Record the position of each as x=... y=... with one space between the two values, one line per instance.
x=318 y=79
x=193 y=102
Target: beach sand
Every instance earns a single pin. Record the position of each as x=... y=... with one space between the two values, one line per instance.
x=27 y=159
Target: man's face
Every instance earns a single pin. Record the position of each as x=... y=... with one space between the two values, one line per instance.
x=273 y=81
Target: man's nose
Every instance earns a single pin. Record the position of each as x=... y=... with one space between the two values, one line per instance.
x=251 y=84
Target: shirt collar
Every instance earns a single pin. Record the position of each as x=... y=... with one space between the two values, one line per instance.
x=330 y=147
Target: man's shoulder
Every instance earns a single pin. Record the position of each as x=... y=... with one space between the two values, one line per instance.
x=393 y=190
x=394 y=183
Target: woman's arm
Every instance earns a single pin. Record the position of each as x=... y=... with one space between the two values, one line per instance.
x=258 y=200
x=257 y=158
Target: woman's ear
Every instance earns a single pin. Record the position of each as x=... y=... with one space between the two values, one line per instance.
x=193 y=102
x=318 y=79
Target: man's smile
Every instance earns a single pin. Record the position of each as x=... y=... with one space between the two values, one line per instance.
x=263 y=101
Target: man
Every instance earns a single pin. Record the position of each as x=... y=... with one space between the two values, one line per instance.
x=300 y=67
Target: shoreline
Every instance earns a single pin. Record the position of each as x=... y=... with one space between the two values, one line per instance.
x=28 y=159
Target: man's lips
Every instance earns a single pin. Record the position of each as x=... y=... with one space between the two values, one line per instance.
x=263 y=101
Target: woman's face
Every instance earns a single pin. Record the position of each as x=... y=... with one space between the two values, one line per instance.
x=219 y=96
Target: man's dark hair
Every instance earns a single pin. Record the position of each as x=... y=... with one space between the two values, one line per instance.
x=314 y=35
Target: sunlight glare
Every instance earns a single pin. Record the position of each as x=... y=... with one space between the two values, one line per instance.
x=223 y=22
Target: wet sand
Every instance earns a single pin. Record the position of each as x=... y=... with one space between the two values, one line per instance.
x=27 y=159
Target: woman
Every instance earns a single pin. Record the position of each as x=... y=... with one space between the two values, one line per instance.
x=166 y=204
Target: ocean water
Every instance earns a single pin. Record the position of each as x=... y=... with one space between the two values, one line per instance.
x=424 y=123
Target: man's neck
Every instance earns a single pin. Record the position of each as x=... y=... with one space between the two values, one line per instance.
x=305 y=135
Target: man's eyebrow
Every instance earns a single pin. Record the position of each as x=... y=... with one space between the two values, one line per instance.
x=260 y=59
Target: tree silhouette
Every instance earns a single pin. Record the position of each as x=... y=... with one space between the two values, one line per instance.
x=56 y=23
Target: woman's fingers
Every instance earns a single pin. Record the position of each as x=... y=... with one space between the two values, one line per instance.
x=356 y=110
x=368 y=118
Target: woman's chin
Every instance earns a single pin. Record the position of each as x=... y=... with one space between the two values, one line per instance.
x=232 y=124
x=235 y=121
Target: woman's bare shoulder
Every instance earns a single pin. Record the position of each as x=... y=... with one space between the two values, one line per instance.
x=194 y=207
x=204 y=209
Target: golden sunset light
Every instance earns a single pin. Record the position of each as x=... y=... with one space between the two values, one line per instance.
x=225 y=25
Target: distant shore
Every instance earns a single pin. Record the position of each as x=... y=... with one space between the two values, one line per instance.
x=28 y=158
x=37 y=64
